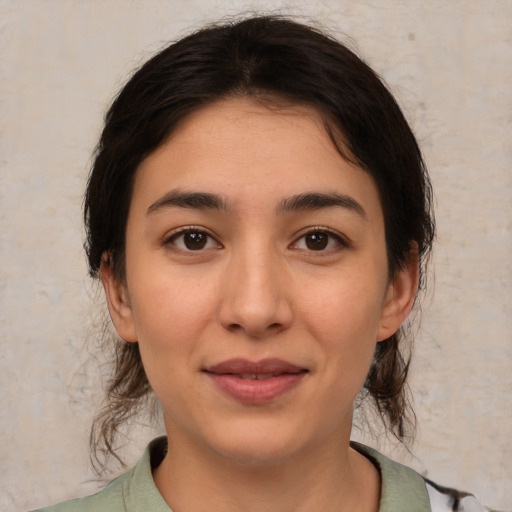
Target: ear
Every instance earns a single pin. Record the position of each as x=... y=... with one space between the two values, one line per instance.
x=400 y=296
x=118 y=301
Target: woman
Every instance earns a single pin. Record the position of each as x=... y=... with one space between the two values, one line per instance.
x=259 y=215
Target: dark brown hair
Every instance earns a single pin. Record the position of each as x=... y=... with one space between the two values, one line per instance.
x=270 y=59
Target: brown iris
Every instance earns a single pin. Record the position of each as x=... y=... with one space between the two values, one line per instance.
x=317 y=241
x=195 y=240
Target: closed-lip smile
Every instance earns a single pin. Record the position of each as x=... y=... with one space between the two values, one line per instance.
x=255 y=382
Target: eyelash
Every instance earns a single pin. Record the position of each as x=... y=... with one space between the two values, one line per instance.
x=341 y=241
x=171 y=239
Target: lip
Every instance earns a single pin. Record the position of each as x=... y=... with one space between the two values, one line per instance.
x=255 y=382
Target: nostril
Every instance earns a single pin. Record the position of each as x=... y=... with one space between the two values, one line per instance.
x=255 y=331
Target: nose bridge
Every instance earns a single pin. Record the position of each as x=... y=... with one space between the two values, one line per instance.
x=255 y=299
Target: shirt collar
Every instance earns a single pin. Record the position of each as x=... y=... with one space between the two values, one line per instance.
x=402 y=489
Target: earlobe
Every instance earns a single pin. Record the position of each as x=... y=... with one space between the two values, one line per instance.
x=118 y=302
x=400 y=297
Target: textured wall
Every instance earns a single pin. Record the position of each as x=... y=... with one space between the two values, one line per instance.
x=450 y=65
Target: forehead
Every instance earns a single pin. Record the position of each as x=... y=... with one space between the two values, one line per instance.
x=238 y=127
x=242 y=149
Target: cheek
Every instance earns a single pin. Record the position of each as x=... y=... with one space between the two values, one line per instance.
x=169 y=320
x=343 y=316
x=345 y=308
x=163 y=299
x=170 y=313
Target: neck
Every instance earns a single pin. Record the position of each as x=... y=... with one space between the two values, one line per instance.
x=332 y=477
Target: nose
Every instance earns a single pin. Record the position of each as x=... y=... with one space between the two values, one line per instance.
x=256 y=296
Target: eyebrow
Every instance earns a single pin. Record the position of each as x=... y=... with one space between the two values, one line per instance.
x=300 y=202
x=318 y=201
x=196 y=200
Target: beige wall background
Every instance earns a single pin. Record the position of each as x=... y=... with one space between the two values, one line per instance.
x=449 y=63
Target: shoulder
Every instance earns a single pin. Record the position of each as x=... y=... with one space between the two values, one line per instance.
x=133 y=491
x=111 y=499
x=405 y=489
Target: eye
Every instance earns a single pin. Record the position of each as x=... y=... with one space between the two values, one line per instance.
x=192 y=239
x=320 y=239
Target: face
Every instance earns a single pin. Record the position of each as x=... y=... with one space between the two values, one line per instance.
x=256 y=282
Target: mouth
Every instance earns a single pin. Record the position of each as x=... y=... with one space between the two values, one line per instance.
x=255 y=382
x=257 y=376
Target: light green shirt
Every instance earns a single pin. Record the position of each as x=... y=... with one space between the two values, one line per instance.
x=403 y=490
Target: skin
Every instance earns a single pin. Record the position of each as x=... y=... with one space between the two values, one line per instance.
x=257 y=289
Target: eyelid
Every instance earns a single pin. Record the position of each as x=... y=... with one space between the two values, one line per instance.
x=183 y=230
x=343 y=241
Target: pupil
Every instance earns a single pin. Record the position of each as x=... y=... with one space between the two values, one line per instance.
x=317 y=241
x=195 y=241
